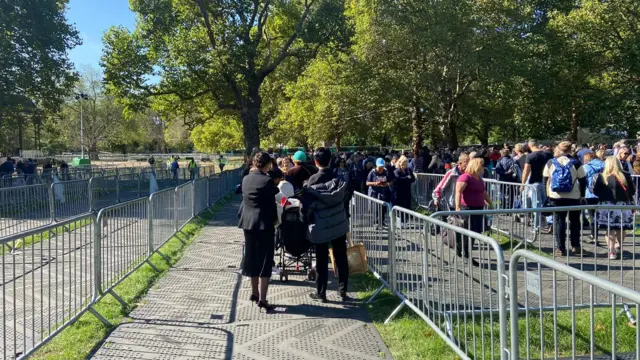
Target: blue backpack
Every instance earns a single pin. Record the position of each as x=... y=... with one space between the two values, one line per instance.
x=561 y=179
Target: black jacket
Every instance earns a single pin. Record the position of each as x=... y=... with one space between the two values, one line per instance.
x=258 y=209
x=614 y=191
x=321 y=177
x=325 y=213
x=503 y=167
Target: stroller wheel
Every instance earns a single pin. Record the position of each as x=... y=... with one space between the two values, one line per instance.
x=311 y=275
x=284 y=277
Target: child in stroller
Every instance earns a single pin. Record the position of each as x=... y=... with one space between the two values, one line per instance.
x=294 y=250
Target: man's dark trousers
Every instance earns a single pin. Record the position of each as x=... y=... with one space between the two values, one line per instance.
x=339 y=247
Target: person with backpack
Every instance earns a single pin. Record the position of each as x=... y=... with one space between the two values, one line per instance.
x=593 y=167
x=565 y=185
x=615 y=187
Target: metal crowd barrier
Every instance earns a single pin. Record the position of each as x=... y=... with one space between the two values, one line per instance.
x=47 y=286
x=24 y=208
x=424 y=262
x=570 y=333
x=70 y=198
x=592 y=244
x=504 y=195
x=63 y=269
x=448 y=292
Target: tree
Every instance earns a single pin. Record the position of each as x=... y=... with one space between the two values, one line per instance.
x=35 y=69
x=222 y=50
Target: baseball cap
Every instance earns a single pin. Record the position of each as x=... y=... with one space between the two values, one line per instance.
x=300 y=156
x=380 y=162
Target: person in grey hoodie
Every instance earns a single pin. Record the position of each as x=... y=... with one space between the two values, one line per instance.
x=324 y=204
x=593 y=167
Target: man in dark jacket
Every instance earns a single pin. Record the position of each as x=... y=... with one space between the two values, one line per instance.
x=333 y=201
x=301 y=172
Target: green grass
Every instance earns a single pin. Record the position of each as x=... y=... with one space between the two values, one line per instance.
x=407 y=336
x=36 y=238
x=79 y=340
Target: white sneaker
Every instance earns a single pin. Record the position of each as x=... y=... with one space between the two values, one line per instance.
x=613 y=255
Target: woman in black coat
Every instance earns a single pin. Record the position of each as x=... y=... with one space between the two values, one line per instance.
x=403 y=179
x=258 y=215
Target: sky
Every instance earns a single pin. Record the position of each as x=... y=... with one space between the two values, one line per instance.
x=92 y=18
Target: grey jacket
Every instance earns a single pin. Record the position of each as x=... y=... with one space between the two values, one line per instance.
x=326 y=214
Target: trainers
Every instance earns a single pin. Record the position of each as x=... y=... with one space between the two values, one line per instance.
x=576 y=250
x=613 y=255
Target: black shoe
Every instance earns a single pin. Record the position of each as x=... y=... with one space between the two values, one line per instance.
x=317 y=297
x=345 y=297
x=254 y=298
x=268 y=308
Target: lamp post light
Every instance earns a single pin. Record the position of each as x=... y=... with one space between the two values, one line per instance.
x=80 y=97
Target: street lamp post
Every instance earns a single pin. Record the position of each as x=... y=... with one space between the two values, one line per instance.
x=80 y=97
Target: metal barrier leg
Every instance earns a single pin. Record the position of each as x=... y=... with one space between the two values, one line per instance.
x=152 y=266
x=395 y=312
x=165 y=257
x=376 y=293
x=99 y=317
x=117 y=297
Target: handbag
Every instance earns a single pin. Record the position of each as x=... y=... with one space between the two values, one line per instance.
x=356 y=257
x=449 y=236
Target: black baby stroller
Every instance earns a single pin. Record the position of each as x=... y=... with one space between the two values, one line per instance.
x=295 y=251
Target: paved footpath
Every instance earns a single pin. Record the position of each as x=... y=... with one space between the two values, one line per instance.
x=201 y=310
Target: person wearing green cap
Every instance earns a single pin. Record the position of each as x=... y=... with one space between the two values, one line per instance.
x=300 y=171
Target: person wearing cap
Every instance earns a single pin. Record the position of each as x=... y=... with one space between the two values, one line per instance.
x=379 y=183
x=300 y=171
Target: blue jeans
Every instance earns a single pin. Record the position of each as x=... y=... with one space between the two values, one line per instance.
x=538 y=202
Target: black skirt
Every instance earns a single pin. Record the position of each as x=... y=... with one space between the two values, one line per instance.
x=258 y=253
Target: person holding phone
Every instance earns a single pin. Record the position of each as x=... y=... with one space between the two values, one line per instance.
x=379 y=183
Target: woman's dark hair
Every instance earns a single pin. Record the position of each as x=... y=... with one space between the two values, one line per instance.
x=261 y=159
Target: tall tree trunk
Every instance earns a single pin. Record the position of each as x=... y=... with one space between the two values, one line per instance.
x=575 y=122
x=250 y=114
x=416 y=127
x=451 y=135
x=20 y=134
x=450 y=121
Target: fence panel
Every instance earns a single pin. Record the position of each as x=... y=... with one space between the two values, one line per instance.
x=129 y=187
x=215 y=191
x=511 y=195
x=163 y=214
x=367 y=218
x=47 y=283
x=587 y=235
x=453 y=278
x=183 y=204
x=123 y=241
x=70 y=198
x=104 y=191
x=24 y=208
x=201 y=199
x=552 y=329
x=424 y=186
